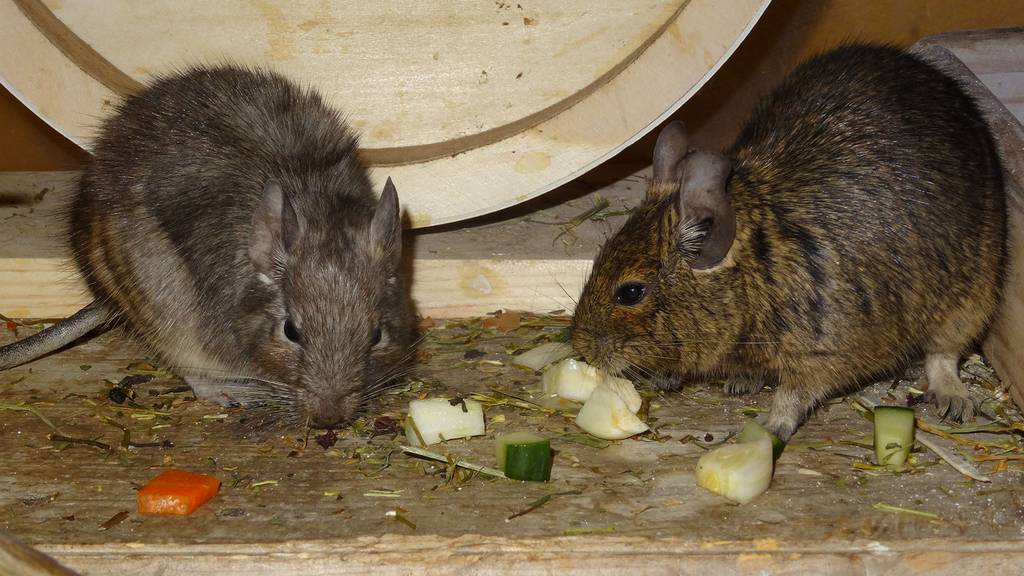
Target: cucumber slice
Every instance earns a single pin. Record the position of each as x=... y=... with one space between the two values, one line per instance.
x=752 y=431
x=571 y=379
x=439 y=419
x=894 y=434
x=524 y=456
x=609 y=413
x=738 y=471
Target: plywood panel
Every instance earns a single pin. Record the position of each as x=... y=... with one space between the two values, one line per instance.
x=525 y=262
x=996 y=62
x=470 y=107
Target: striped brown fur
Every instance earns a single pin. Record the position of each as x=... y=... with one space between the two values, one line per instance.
x=869 y=233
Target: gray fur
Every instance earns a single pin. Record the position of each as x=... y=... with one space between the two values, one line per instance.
x=222 y=201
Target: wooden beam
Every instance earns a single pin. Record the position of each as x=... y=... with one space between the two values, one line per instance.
x=525 y=259
x=991 y=63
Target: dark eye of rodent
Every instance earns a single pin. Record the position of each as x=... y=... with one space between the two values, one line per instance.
x=375 y=338
x=291 y=331
x=630 y=293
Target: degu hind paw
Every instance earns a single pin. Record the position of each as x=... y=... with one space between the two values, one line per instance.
x=945 y=389
x=958 y=407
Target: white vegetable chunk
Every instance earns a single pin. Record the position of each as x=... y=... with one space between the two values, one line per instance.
x=437 y=419
x=607 y=414
x=543 y=355
x=572 y=379
x=738 y=471
x=626 y=390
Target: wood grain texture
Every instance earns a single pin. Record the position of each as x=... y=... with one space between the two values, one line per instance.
x=508 y=102
x=473 y=554
x=443 y=72
x=989 y=62
x=523 y=261
x=319 y=514
x=77 y=50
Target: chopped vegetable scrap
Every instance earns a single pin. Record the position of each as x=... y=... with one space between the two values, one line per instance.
x=610 y=412
x=176 y=493
x=524 y=456
x=741 y=471
x=900 y=510
x=610 y=404
x=453 y=462
x=894 y=434
x=435 y=420
x=752 y=431
x=572 y=379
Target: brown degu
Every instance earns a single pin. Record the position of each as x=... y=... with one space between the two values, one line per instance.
x=226 y=221
x=856 y=225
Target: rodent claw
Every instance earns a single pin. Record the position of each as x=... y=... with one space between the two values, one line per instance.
x=957 y=408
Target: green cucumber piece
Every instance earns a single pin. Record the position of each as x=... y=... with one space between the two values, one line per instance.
x=524 y=456
x=752 y=431
x=894 y=434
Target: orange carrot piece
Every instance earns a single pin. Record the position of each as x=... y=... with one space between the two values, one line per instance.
x=176 y=493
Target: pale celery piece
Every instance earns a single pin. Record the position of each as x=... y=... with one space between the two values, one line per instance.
x=542 y=355
x=894 y=434
x=571 y=379
x=610 y=412
x=439 y=419
x=740 y=472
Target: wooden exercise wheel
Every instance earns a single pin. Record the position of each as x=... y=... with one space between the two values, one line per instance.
x=470 y=106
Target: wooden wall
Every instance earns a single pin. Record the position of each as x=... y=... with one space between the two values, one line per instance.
x=792 y=30
x=789 y=31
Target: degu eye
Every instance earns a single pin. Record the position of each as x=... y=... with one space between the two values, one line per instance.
x=291 y=331
x=375 y=337
x=630 y=293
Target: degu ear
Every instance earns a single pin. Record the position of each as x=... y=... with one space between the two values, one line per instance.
x=672 y=146
x=275 y=227
x=386 y=226
x=707 y=222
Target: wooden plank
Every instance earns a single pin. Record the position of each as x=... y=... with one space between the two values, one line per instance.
x=358 y=53
x=638 y=497
x=403 y=555
x=520 y=260
x=1004 y=346
x=499 y=141
x=998 y=55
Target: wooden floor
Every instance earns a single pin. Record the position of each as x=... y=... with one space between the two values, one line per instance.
x=288 y=505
